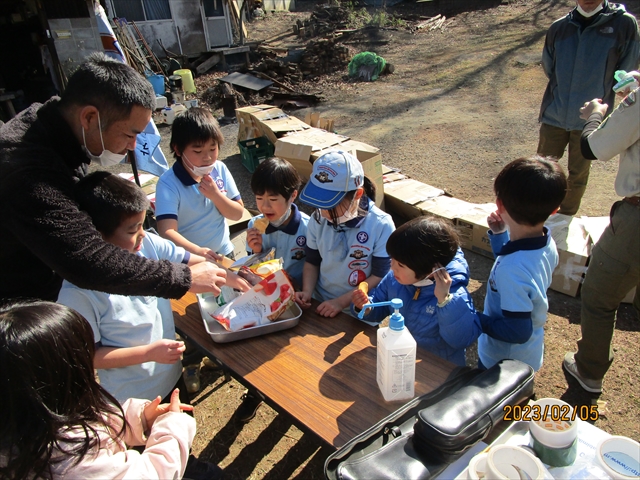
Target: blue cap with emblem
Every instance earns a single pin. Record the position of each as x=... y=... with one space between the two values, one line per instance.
x=334 y=174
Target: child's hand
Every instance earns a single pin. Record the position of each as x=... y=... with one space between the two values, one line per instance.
x=359 y=298
x=153 y=410
x=303 y=299
x=237 y=282
x=443 y=282
x=496 y=224
x=254 y=240
x=209 y=188
x=209 y=254
x=329 y=308
x=165 y=351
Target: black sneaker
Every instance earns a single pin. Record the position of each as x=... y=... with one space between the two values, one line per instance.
x=249 y=406
x=200 y=470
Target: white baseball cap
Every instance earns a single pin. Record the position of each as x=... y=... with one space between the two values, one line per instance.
x=334 y=174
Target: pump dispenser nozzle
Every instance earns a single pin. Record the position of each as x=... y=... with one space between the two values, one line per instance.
x=394 y=303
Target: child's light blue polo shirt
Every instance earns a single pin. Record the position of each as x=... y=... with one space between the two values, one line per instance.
x=199 y=221
x=347 y=253
x=518 y=282
x=122 y=321
x=289 y=242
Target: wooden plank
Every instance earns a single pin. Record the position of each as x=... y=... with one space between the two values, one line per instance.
x=209 y=63
x=322 y=372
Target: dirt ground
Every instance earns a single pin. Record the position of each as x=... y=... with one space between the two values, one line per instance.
x=462 y=103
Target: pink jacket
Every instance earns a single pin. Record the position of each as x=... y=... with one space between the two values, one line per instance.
x=165 y=455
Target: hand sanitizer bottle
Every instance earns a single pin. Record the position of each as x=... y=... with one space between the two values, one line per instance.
x=396 y=372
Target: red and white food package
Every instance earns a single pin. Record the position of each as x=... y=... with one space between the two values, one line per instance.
x=263 y=304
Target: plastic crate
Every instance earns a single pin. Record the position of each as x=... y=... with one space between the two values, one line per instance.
x=254 y=151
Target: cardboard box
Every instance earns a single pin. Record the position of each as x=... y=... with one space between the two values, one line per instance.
x=403 y=196
x=472 y=227
x=595 y=227
x=445 y=207
x=266 y=121
x=299 y=147
x=247 y=127
x=573 y=244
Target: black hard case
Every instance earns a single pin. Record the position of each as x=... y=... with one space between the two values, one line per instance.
x=420 y=439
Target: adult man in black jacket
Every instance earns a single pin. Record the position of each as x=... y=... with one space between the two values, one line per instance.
x=44 y=237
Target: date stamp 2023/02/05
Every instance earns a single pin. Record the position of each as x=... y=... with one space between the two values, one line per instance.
x=556 y=413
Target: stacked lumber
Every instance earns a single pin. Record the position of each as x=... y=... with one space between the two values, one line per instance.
x=324 y=20
x=325 y=55
x=274 y=68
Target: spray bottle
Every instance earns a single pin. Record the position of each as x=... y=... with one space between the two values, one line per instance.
x=396 y=372
x=626 y=80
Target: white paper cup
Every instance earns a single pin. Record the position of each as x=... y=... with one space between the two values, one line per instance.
x=619 y=457
x=510 y=462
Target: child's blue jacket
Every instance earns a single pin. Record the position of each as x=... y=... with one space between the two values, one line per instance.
x=445 y=331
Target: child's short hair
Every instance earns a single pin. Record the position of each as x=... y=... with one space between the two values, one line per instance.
x=531 y=189
x=196 y=125
x=109 y=200
x=422 y=242
x=275 y=175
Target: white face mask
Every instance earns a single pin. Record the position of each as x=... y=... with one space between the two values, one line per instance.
x=198 y=171
x=350 y=214
x=283 y=218
x=589 y=14
x=106 y=158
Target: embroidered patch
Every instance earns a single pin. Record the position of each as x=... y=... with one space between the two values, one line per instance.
x=323 y=177
x=362 y=237
x=301 y=240
x=358 y=254
x=356 y=277
x=359 y=264
x=298 y=255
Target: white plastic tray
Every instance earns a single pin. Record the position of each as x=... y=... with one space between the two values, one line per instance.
x=207 y=303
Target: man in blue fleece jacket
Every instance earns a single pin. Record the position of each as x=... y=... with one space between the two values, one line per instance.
x=581 y=53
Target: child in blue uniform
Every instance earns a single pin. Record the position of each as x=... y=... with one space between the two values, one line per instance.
x=439 y=314
x=195 y=196
x=346 y=236
x=275 y=183
x=527 y=190
x=137 y=354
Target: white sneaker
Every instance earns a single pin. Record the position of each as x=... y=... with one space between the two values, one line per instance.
x=590 y=385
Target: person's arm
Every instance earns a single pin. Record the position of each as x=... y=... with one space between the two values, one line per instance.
x=630 y=53
x=614 y=134
x=161 y=351
x=548 y=54
x=228 y=208
x=168 y=228
x=513 y=323
x=47 y=221
x=310 y=273
x=331 y=308
x=512 y=327
x=378 y=293
x=458 y=322
x=167 y=446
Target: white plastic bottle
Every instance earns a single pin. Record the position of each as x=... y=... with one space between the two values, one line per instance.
x=396 y=373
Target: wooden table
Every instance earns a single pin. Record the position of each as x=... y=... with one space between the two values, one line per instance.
x=322 y=372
